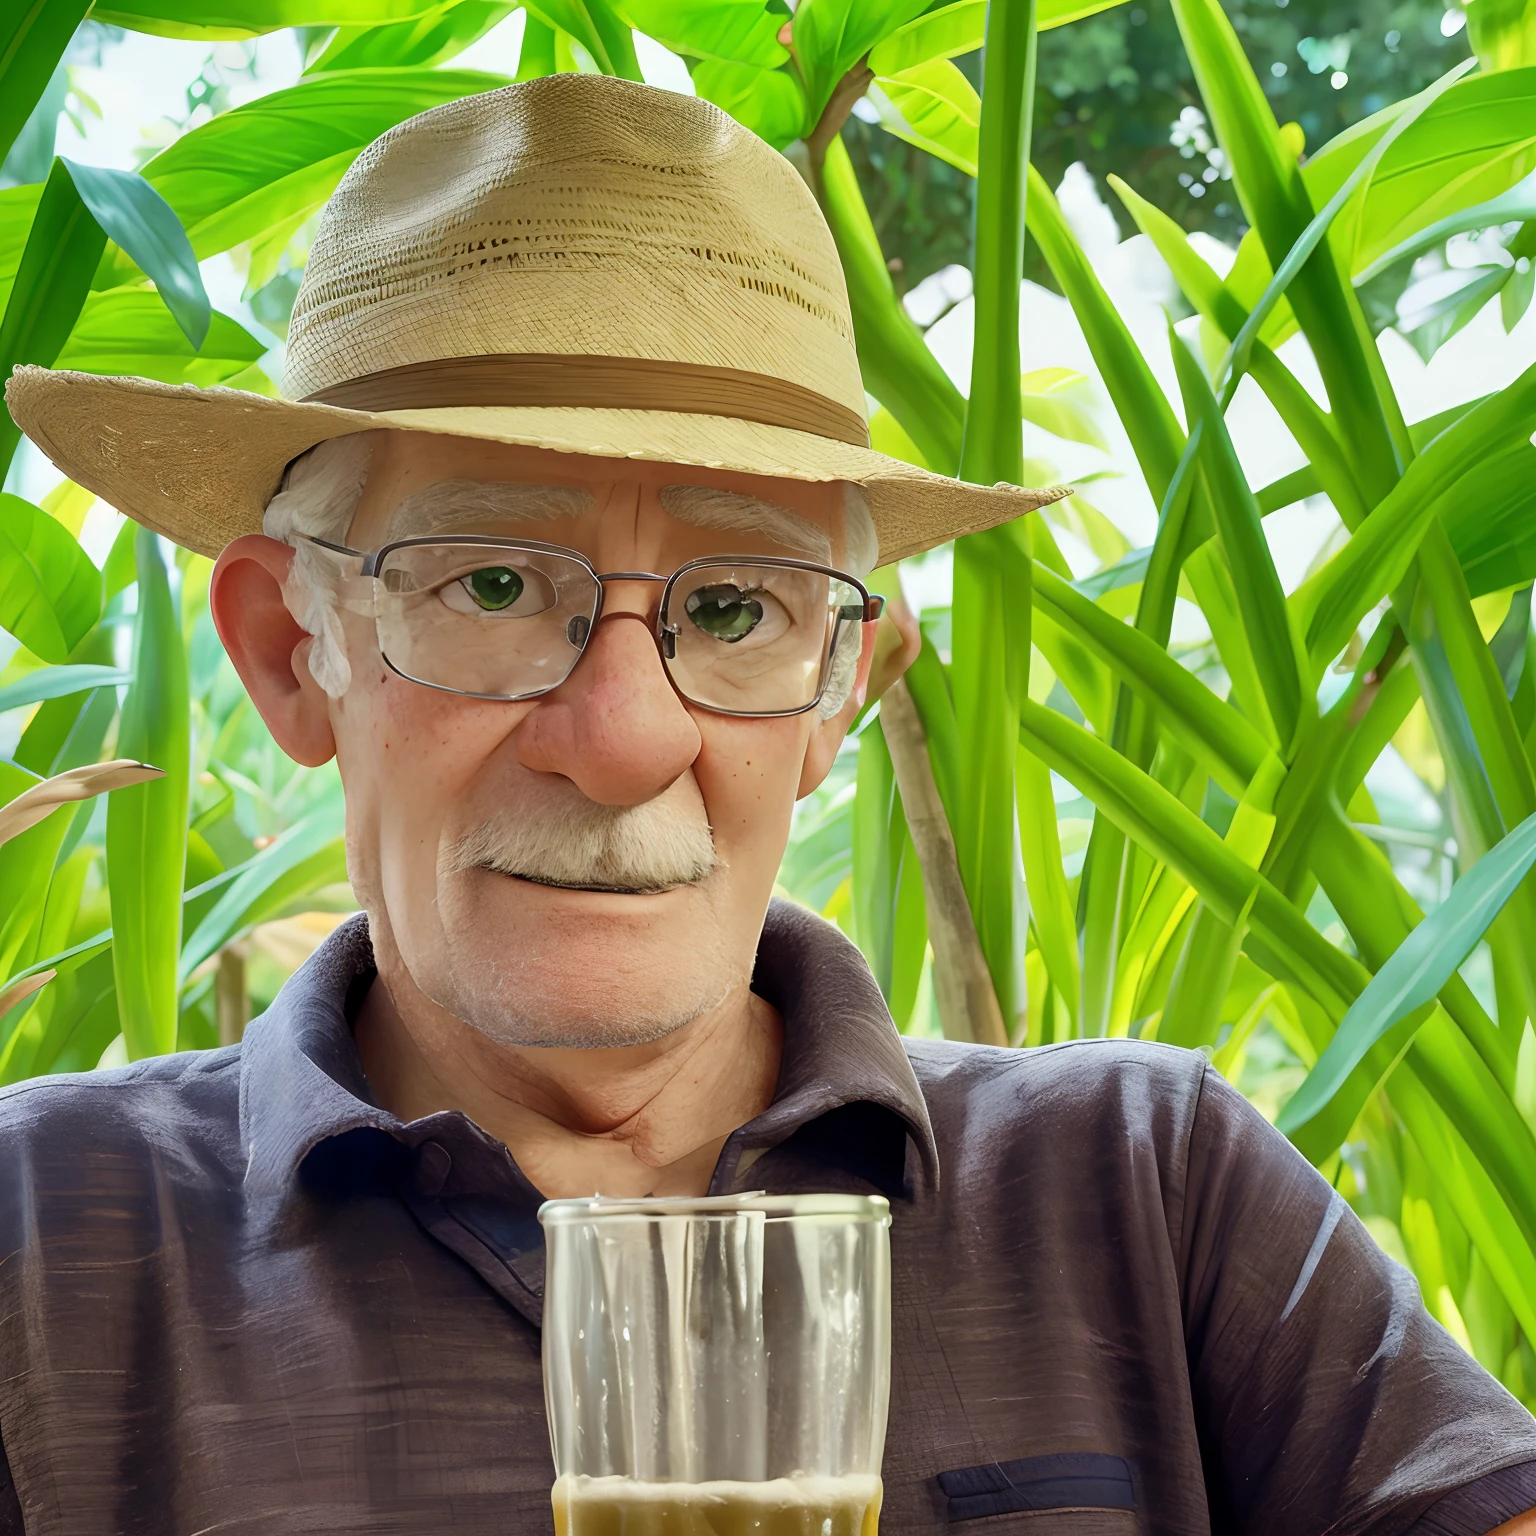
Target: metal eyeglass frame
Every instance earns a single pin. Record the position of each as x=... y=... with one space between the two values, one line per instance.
x=872 y=606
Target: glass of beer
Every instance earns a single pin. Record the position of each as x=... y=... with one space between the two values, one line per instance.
x=717 y=1367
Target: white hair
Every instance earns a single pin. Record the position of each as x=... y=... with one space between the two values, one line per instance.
x=320 y=490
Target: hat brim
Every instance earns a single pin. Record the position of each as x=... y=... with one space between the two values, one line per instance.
x=200 y=465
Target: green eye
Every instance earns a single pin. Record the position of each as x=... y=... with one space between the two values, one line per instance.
x=724 y=612
x=494 y=586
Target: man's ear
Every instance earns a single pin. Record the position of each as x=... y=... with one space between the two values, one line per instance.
x=827 y=735
x=269 y=650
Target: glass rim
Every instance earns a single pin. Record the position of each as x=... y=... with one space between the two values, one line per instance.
x=592 y=1209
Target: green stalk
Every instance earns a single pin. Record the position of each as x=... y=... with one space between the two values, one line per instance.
x=147 y=823
x=991 y=585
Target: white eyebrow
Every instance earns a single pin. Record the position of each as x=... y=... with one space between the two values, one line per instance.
x=706 y=507
x=448 y=503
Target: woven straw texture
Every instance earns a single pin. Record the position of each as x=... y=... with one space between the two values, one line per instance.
x=573 y=215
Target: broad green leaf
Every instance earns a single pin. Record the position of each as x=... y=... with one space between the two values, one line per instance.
x=18 y=207
x=933 y=106
x=1516 y=205
x=593 y=24
x=441 y=34
x=953 y=29
x=732 y=31
x=50 y=593
x=1049 y=400
x=33 y=36
x=831 y=36
x=64 y=245
x=1418 y=969
x=229 y=20
x=128 y=331
x=26 y=869
x=1476 y=142
x=234 y=177
x=147 y=824
x=768 y=101
x=141 y=222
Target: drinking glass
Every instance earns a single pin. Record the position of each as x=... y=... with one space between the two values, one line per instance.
x=717 y=1367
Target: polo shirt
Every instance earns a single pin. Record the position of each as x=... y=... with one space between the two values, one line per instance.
x=238 y=1296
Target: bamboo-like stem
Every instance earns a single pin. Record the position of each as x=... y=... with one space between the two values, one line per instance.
x=232 y=1003
x=962 y=985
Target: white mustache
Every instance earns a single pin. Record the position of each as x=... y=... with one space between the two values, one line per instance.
x=570 y=841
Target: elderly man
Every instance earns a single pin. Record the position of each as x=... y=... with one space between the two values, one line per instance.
x=563 y=534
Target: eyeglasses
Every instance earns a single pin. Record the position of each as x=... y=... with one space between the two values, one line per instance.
x=509 y=619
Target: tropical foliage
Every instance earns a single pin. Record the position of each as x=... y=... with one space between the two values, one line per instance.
x=1064 y=823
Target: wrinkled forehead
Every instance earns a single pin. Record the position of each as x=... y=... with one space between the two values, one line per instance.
x=433 y=485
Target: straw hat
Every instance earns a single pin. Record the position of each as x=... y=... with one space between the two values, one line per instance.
x=576 y=263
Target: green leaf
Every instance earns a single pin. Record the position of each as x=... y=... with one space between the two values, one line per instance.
x=1156 y=437
x=33 y=36
x=831 y=36
x=732 y=31
x=1261 y=599
x=1477 y=141
x=244 y=171
x=1050 y=903
x=768 y=101
x=595 y=26
x=951 y=30
x=933 y=106
x=1173 y=833
x=1490 y=516
x=1049 y=400
x=1301 y=251
x=1428 y=320
x=127 y=331
x=141 y=222
x=58 y=683
x=441 y=34
x=309 y=855
x=64 y=245
x=898 y=368
x=1212 y=730
x=1333 y=601
x=50 y=593
x=230 y=20
x=1518 y=204
x=147 y=824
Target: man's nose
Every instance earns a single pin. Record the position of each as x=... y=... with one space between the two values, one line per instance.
x=615 y=727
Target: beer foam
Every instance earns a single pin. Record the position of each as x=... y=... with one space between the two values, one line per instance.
x=803 y=1490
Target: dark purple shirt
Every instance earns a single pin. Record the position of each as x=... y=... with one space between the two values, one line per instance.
x=237 y=1297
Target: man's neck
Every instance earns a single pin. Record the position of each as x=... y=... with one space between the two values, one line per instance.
x=632 y=1120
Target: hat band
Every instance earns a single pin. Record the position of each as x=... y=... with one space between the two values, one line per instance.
x=598 y=383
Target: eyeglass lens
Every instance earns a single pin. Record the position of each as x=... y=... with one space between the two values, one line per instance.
x=506 y=622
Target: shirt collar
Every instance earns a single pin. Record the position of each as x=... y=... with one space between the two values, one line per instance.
x=301 y=1082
